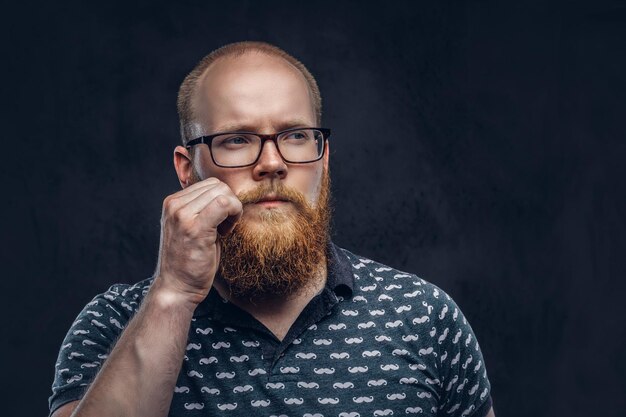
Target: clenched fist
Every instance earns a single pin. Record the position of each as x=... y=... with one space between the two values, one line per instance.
x=189 y=253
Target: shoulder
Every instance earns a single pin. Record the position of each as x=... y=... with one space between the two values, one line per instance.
x=375 y=277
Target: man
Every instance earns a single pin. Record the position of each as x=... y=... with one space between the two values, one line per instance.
x=252 y=308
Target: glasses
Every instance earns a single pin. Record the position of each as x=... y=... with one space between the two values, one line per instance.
x=242 y=149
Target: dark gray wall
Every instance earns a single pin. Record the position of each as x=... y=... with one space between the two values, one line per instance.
x=477 y=144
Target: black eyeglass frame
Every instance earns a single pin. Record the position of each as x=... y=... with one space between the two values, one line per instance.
x=264 y=138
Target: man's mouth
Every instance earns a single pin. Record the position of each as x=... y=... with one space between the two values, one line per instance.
x=271 y=200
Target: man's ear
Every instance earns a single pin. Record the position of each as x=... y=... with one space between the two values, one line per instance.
x=326 y=155
x=183 y=163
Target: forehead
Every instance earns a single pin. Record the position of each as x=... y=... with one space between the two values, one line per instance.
x=253 y=91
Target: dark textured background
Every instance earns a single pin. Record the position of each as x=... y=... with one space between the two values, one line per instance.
x=478 y=144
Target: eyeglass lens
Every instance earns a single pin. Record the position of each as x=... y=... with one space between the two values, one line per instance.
x=236 y=149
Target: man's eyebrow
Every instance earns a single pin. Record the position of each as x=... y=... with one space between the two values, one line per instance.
x=250 y=128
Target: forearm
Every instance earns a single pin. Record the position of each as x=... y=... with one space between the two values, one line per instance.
x=139 y=376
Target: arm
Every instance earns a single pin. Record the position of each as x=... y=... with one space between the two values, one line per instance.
x=491 y=413
x=139 y=375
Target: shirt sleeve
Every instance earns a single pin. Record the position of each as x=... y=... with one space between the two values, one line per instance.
x=465 y=387
x=88 y=342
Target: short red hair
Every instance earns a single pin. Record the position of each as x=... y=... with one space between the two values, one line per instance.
x=188 y=87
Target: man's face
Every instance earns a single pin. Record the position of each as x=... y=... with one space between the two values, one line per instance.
x=280 y=242
x=262 y=94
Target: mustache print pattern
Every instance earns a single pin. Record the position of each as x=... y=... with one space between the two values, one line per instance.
x=301 y=355
x=393 y=287
x=409 y=380
x=303 y=384
x=400 y=352
x=194 y=406
x=90 y=365
x=289 y=369
x=328 y=400
x=116 y=323
x=443 y=336
x=428 y=307
x=256 y=371
x=243 y=388
x=368 y=288
x=321 y=371
x=402 y=309
x=212 y=391
x=376 y=382
x=385 y=321
x=420 y=320
x=98 y=324
x=293 y=401
x=224 y=407
x=360 y=400
x=443 y=312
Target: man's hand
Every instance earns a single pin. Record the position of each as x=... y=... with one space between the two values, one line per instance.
x=189 y=253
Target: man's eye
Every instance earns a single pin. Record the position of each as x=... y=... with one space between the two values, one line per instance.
x=297 y=136
x=235 y=140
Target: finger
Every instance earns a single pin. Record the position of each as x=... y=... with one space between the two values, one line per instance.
x=184 y=196
x=202 y=199
x=222 y=213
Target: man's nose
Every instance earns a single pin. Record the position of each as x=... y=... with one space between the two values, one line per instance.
x=270 y=162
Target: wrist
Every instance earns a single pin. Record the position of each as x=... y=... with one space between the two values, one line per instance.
x=169 y=296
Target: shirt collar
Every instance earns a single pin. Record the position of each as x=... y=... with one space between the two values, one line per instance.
x=340 y=280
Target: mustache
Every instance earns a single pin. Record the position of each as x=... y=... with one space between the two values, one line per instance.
x=277 y=190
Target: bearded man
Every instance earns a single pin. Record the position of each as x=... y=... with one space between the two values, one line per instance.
x=252 y=308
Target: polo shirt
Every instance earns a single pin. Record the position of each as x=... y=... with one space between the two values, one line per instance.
x=375 y=341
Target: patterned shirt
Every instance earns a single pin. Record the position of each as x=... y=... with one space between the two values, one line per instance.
x=375 y=342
